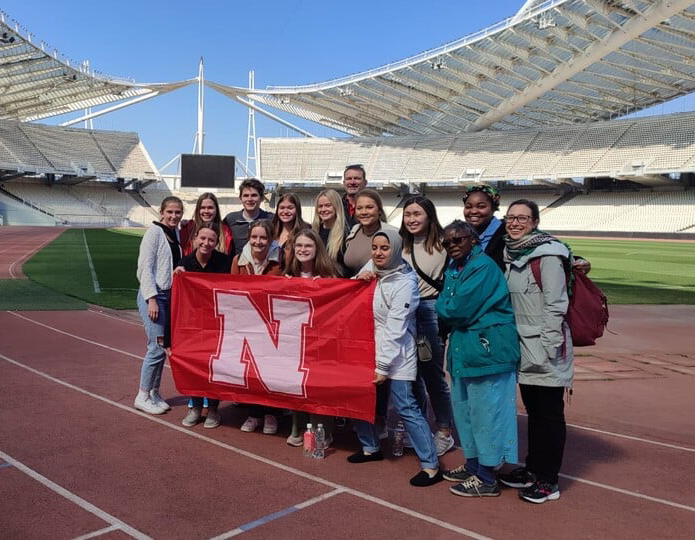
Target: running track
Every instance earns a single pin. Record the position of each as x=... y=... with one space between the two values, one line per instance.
x=76 y=461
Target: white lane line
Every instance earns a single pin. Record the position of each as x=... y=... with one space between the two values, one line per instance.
x=27 y=255
x=630 y=493
x=277 y=515
x=628 y=437
x=75 y=499
x=255 y=457
x=576 y=426
x=95 y=343
x=94 y=534
x=95 y=280
x=121 y=319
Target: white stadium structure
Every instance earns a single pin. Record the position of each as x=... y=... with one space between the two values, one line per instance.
x=536 y=104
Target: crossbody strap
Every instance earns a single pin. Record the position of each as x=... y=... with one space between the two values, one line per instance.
x=436 y=284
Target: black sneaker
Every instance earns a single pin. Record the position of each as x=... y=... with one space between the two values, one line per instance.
x=518 y=478
x=459 y=474
x=475 y=487
x=539 y=492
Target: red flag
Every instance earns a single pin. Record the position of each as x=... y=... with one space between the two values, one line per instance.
x=295 y=343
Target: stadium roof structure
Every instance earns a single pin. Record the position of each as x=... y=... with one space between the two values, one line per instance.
x=555 y=62
x=38 y=83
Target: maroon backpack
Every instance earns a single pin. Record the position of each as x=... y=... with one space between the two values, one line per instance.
x=587 y=315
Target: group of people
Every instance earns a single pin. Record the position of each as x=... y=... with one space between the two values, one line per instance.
x=467 y=289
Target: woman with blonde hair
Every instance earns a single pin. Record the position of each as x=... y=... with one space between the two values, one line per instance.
x=207 y=211
x=330 y=224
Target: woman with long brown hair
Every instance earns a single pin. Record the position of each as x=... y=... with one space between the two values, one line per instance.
x=207 y=210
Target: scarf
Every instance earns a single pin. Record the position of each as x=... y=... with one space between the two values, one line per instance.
x=515 y=249
x=174 y=243
x=489 y=232
x=395 y=262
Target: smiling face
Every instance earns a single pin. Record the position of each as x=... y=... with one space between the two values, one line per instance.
x=519 y=221
x=207 y=211
x=171 y=215
x=304 y=249
x=206 y=239
x=366 y=211
x=287 y=211
x=353 y=181
x=477 y=210
x=415 y=219
x=326 y=212
x=260 y=243
x=457 y=244
x=381 y=252
x=250 y=200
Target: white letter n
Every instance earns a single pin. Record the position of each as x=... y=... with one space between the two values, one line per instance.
x=275 y=346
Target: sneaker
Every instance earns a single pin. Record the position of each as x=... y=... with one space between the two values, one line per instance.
x=518 y=478
x=459 y=474
x=270 y=424
x=192 y=418
x=539 y=492
x=212 y=420
x=295 y=441
x=251 y=424
x=443 y=443
x=145 y=404
x=474 y=487
x=158 y=400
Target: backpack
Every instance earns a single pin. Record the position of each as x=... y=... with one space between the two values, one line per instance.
x=587 y=315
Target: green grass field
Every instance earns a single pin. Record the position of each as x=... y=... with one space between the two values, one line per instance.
x=628 y=271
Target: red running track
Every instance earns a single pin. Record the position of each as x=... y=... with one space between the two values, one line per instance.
x=76 y=459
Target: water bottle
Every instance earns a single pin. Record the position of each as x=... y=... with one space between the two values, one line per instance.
x=309 y=441
x=320 y=440
x=398 y=436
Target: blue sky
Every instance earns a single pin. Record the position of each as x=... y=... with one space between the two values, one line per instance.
x=286 y=43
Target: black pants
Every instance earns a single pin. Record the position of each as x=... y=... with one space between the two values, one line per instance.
x=212 y=403
x=546 y=430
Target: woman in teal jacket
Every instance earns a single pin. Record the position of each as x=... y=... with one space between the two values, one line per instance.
x=482 y=358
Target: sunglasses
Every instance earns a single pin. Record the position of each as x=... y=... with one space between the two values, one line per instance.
x=455 y=240
x=355 y=166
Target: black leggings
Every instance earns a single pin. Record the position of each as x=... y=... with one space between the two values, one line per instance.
x=546 y=430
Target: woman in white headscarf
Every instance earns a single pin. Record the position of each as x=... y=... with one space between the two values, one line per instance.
x=396 y=299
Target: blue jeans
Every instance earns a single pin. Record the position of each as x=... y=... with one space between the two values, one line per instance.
x=430 y=374
x=415 y=424
x=153 y=362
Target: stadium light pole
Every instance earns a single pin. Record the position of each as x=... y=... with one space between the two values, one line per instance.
x=200 y=135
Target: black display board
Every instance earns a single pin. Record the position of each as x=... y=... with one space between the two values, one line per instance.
x=205 y=171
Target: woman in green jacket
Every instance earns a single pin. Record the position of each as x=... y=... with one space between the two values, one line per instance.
x=482 y=358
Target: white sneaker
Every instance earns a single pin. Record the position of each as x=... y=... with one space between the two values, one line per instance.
x=251 y=424
x=158 y=400
x=270 y=424
x=192 y=418
x=443 y=443
x=145 y=404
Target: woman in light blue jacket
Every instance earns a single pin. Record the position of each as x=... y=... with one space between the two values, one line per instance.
x=396 y=300
x=160 y=252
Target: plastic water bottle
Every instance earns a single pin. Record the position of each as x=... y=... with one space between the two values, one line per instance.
x=398 y=436
x=320 y=440
x=309 y=441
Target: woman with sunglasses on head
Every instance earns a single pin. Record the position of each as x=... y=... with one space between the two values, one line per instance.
x=287 y=222
x=329 y=222
x=204 y=258
x=547 y=361
x=260 y=256
x=422 y=249
x=160 y=252
x=207 y=210
x=395 y=302
x=482 y=358
x=309 y=260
